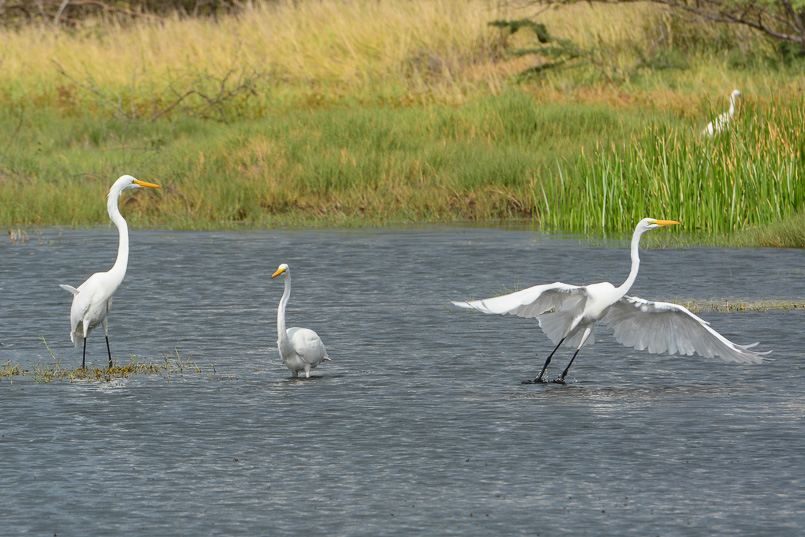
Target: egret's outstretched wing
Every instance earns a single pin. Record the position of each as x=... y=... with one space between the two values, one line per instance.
x=529 y=302
x=663 y=327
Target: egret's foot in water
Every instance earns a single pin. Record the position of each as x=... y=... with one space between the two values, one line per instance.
x=560 y=380
x=537 y=380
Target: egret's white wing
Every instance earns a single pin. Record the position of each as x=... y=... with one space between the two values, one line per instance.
x=307 y=344
x=86 y=299
x=529 y=302
x=718 y=125
x=663 y=327
x=79 y=308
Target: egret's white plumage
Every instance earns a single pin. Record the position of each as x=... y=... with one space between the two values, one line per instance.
x=93 y=298
x=641 y=324
x=301 y=349
x=723 y=121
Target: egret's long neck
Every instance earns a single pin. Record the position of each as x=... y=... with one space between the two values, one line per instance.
x=281 y=332
x=624 y=288
x=119 y=269
x=732 y=106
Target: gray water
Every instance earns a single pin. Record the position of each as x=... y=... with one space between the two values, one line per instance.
x=419 y=425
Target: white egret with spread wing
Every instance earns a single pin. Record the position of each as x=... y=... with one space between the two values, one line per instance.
x=569 y=313
x=723 y=121
x=301 y=349
x=93 y=298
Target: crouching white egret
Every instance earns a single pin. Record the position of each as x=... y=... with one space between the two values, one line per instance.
x=641 y=324
x=301 y=349
x=93 y=298
x=723 y=121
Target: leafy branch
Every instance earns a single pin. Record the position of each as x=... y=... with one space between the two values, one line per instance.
x=782 y=20
x=551 y=52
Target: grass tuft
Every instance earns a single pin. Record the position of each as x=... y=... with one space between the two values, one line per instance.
x=54 y=371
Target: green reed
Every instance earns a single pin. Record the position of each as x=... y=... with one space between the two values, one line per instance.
x=748 y=176
x=571 y=167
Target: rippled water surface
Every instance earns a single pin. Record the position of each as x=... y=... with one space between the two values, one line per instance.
x=419 y=425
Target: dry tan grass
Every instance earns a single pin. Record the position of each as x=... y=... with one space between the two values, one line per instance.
x=731 y=306
x=315 y=52
x=343 y=43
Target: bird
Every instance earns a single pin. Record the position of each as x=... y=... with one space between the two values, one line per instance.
x=569 y=313
x=301 y=349
x=93 y=298
x=723 y=121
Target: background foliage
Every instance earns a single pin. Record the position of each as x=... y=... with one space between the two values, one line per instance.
x=360 y=112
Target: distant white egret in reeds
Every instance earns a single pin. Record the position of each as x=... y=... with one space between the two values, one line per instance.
x=723 y=121
x=641 y=324
x=93 y=298
x=301 y=349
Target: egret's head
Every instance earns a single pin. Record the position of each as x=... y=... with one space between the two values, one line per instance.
x=127 y=182
x=736 y=94
x=281 y=270
x=652 y=223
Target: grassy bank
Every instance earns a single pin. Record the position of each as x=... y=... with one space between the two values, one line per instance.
x=329 y=166
x=414 y=114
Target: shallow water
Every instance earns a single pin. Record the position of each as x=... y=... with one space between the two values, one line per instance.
x=419 y=425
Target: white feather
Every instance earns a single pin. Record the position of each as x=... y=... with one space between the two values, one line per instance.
x=569 y=313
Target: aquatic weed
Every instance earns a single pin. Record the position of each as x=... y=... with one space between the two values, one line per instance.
x=44 y=372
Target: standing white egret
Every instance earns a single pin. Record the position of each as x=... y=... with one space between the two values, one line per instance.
x=301 y=349
x=637 y=323
x=93 y=298
x=723 y=121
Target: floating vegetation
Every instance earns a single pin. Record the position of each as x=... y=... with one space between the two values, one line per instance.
x=44 y=372
x=725 y=306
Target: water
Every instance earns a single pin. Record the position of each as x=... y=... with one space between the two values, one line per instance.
x=419 y=425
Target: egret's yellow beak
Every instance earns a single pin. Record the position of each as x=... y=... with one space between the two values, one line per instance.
x=144 y=184
x=279 y=271
x=666 y=222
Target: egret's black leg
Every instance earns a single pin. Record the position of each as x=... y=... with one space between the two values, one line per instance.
x=544 y=367
x=109 y=350
x=561 y=379
x=84 y=356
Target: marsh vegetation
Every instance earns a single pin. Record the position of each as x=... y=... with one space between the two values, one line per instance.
x=55 y=370
x=421 y=112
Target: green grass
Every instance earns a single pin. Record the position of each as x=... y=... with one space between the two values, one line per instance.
x=329 y=166
x=576 y=168
x=415 y=115
x=749 y=176
x=787 y=233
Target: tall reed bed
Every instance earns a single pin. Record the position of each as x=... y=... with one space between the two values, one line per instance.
x=748 y=176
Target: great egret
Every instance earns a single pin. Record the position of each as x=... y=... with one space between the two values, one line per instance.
x=301 y=349
x=93 y=298
x=723 y=121
x=637 y=323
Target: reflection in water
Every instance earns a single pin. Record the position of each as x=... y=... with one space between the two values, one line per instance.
x=419 y=424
